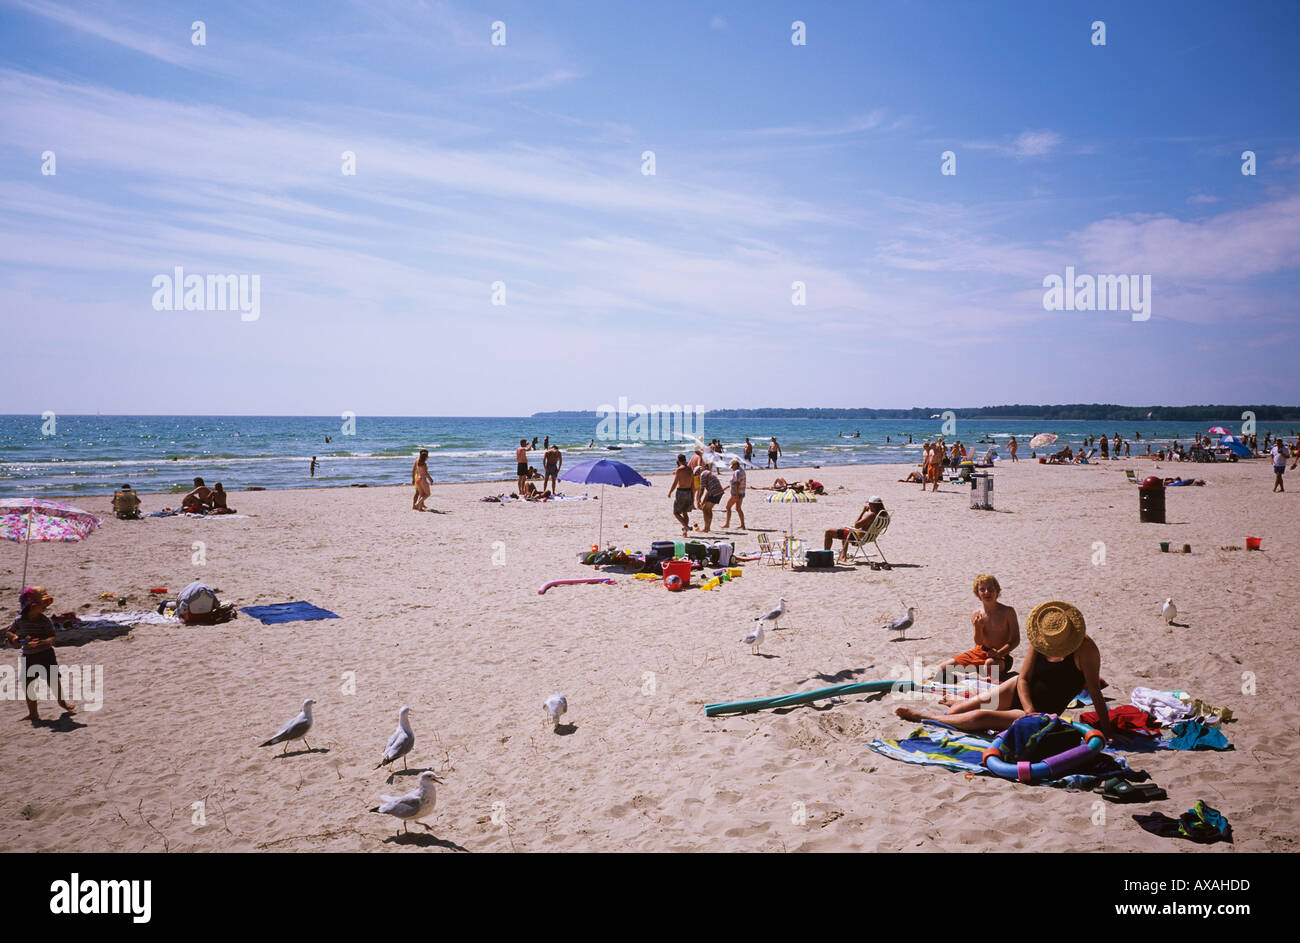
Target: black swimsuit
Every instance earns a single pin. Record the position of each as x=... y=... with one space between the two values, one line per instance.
x=1053 y=686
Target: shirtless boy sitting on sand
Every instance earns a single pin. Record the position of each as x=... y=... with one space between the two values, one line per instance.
x=997 y=632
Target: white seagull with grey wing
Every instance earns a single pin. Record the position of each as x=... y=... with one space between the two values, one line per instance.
x=401 y=742
x=556 y=705
x=416 y=804
x=754 y=640
x=774 y=616
x=902 y=625
x=1169 y=610
x=295 y=729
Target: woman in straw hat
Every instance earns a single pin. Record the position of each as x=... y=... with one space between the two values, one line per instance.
x=1062 y=661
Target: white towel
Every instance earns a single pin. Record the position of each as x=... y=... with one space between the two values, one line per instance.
x=1164 y=706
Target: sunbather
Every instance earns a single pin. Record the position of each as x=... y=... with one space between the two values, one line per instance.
x=126 y=504
x=860 y=526
x=1062 y=662
x=997 y=632
x=199 y=499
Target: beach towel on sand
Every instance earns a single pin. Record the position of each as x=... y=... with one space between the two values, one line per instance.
x=288 y=612
x=953 y=749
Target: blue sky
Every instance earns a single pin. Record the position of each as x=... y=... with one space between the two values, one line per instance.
x=521 y=163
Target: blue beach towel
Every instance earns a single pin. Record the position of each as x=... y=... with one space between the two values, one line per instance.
x=288 y=612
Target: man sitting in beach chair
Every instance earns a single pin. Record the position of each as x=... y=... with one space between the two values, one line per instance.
x=861 y=527
x=126 y=504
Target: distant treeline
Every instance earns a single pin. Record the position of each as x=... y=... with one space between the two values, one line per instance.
x=1085 y=411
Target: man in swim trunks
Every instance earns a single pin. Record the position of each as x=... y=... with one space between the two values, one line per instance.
x=869 y=512
x=552 y=460
x=682 y=483
x=710 y=494
x=773 y=453
x=997 y=633
x=521 y=465
x=749 y=450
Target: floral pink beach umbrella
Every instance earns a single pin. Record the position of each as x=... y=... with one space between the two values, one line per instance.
x=1042 y=439
x=24 y=520
x=1219 y=430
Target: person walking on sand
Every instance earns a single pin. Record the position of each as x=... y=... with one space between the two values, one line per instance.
x=683 y=484
x=1012 y=446
x=313 y=466
x=1280 y=456
x=773 y=453
x=521 y=465
x=737 y=489
x=711 y=491
x=34 y=631
x=421 y=479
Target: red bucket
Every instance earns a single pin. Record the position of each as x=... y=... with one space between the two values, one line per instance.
x=679 y=568
x=1252 y=543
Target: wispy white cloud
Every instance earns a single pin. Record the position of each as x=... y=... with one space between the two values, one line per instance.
x=1026 y=145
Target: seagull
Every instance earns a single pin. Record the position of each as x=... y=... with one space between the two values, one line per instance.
x=556 y=705
x=755 y=639
x=416 y=804
x=401 y=742
x=295 y=729
x=902 y=625
x=1169 y=610
x=774 y=616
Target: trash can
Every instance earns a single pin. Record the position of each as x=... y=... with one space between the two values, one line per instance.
x=981 y=491
x=1151 y=501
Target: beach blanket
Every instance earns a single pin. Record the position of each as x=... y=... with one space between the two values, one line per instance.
x=105 y=620
x=181 y=512
x=944 y=747
x=288 y=612
x=953 y=749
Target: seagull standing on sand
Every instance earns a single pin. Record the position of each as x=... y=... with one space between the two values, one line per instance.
x=556 y=705
x=401 y=742
x=295 y=729
x=416 y=804
x=755 y=639
x=902 y=625
x=1169 y=610
x=774 y=616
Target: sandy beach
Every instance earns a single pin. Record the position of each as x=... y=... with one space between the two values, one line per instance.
x=441 y=612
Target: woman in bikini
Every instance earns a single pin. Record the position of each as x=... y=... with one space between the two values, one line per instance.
x=422 y=481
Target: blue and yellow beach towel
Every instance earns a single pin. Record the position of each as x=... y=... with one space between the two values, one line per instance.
x=943 y=746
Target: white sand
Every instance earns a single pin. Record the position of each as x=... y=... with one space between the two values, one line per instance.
x=428 y=620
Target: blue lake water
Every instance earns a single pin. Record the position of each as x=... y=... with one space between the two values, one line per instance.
x=95 y=454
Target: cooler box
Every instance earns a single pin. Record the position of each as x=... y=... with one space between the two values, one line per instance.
x=820 y=559
x=680 y=569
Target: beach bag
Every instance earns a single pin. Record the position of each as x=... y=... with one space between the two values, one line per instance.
x=1035 y=737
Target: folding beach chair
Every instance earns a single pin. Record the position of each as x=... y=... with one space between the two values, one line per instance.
x=859 y=539
x=773 y=556
x=793 y=550
x=1132 y=478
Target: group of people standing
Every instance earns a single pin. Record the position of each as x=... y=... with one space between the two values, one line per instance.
x=696 y=486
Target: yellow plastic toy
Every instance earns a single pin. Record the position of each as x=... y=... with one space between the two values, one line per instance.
x=735 y=572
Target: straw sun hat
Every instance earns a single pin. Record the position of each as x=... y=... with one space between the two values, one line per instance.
x=1055 y=629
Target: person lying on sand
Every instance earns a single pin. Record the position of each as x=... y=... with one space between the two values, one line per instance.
x=869 y=512
x=912 y=478
x=1061 y=661
x=997 y=632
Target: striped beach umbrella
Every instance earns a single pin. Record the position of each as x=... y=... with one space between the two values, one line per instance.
x=791 y=497
x=24 y=520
